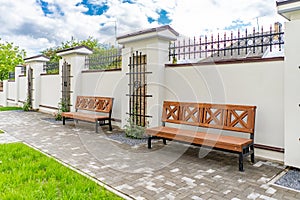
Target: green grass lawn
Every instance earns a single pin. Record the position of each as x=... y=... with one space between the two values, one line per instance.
x=8 y=108
x=28 y=174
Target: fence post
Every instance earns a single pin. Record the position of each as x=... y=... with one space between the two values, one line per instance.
x=153 y=43
x=37 y=64
x=291 y=11
x=18 y=72
x=76 y=58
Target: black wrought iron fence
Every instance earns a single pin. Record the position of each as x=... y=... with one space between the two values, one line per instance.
x=23 y=70
x=11 y=76
x=51 y=67
x=1 y=86
x=253 y=44
x=106 y=59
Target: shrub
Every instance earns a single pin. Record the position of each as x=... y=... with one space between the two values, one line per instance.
x=62 y=107
x=27 y=105
x=133 y=130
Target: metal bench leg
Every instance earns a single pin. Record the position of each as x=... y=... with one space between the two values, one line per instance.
x=110 y=127
x=96 y=126
x=164 y=141
x=64 y=121
x=149 y=142
x=241 y=165
x=252 y=154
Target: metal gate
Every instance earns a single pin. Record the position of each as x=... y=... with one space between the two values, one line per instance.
x=138 y=89
x=66 y=86
x=29 y=86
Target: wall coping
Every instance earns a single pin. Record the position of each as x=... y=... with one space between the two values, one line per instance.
x=288 y=9
x=38 y=58
x=81 y=50
x=101 y=70
x=162 y=32
x=231 y=61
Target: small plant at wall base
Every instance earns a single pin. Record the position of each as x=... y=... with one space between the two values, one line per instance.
x=62 y=107
x=132 y=130
x=27 y=105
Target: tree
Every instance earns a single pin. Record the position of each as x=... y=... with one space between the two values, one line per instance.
x=90 y=43
x=10 y=57
x=99 y=50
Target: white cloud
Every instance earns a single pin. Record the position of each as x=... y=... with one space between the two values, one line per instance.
x=195 y=17
x=25 y=24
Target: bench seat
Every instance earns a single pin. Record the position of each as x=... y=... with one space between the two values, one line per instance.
x=91 y=109
x=200 y=138
x=84 y=116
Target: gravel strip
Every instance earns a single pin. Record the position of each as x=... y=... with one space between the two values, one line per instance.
x=121 y=137
x=291 y=179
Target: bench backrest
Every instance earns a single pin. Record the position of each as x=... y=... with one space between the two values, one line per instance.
x=239 y=118
x=96 y=104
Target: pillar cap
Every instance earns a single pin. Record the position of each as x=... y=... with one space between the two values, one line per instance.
x=162 y=32
x=38 y=58
x=82 y=50
x=289 y=9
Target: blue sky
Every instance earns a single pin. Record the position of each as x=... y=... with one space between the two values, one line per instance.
x=35 y=25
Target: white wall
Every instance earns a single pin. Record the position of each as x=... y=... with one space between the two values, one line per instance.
x=22 y=88
x=2 y=101
x=11 y=93
x=50 y=90
x=107 y=84
x=256 y=83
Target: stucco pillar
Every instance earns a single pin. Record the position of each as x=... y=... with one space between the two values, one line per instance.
x=291 y=11
x=154 y=44
x=5 y=92
x=76 y=58
x=18 y=72
x=37 y=64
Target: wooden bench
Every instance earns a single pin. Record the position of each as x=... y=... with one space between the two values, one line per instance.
x=90 y=108
x=233 y=118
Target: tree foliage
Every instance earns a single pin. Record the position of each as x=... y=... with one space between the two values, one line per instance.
x=10 y=57
x=109 y=54
x=52 y=52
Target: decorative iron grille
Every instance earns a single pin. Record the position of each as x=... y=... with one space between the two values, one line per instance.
x=66 y=86
x=29 y=87
x=106 y=59
x=138 y=89
x=254 y=44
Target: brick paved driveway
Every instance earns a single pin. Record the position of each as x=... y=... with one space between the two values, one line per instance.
x=174 y=171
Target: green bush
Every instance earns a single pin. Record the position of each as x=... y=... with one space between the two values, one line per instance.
x=134 y=131
x=62 y=107
x=27 y=105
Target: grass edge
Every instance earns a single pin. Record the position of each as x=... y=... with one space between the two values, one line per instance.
x=100 y=183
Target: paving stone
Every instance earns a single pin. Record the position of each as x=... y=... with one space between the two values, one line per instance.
x=287 y=197
x=173 y=172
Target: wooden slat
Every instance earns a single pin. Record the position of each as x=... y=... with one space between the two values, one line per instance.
x=201 y=138
x=84 y=116
x=95 y=104
x=230 y=117
x=170 y=112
